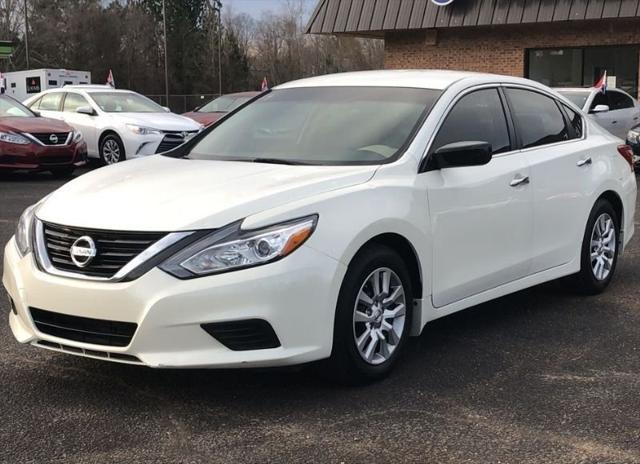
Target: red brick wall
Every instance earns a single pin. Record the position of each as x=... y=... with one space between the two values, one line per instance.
x=500 y=49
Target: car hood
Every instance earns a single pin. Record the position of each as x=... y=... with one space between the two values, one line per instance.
x=159 y=193
x=33 y=125
x=204 y=118
x=162 y=121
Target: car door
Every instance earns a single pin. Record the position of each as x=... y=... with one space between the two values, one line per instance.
x=83 y=122
x=50 y=105
x=551 y=138
x=481 y=216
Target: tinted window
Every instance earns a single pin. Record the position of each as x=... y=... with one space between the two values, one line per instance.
x=476 y=117
x=50 y=101
x=74 y=101
x=576 y=122
x=619 y=101
x=320 y=125
x=599 y=99
x=537 y=118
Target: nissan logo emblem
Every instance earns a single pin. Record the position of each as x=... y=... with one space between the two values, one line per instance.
x=83 y=251
x=53 y=138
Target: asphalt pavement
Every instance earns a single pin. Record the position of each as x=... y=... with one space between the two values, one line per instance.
x=541 y=376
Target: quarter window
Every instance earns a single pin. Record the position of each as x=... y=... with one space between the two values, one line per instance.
x=73 y=101
x=576 y=122
x=35 y=104
x=476 y=117
x=51 y=101
x=537 y=118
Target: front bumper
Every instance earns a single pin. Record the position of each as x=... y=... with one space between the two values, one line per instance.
x=296 y=295
x=137 y=146
x=38 y=157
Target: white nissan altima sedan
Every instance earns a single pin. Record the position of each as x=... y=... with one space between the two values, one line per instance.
x=331 y=218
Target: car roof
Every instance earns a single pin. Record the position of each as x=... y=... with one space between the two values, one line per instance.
x=411 y=78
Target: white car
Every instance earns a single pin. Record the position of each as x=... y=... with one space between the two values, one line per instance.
x=331 y=218
x=615 y=110
x=116 y=124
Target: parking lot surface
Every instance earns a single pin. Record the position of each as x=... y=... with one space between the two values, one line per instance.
x=541 y=376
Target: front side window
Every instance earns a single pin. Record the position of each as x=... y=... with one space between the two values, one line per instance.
x=320 y=125
x=599 y=99
x=537 y=118
x=50 y=101
x=619 y=101
x=125 y=102
x=73 y=101
x=476 y=117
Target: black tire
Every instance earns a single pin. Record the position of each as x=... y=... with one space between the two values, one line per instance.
x=586 y=280
x=346 y=364
x=111 y=150
x=62 y=172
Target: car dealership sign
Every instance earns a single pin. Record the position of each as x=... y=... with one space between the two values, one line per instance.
x=442 y=2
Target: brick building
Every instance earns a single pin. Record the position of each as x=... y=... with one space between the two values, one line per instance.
x=561 y=43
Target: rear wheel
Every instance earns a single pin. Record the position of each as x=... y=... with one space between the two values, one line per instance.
x=373 y=316
x=599 y=254
x=111 y=149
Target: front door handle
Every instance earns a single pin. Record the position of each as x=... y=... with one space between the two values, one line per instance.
x=584 y=162
x=519 y=180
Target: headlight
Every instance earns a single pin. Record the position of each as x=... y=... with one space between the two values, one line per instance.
x=231 y=248
x=141 y=130
x=633 y=136
x=13 y=138
x=24 y=231
x=77 y=136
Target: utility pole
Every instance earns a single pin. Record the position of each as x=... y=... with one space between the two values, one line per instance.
x=26 y=33
x=217 y=7
x=166 y=65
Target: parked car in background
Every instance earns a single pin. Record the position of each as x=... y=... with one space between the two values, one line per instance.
x=29 y=142
x=330 y=218
x=633 y=140
x=615 y=110
x=218 y=107
x=116 y=124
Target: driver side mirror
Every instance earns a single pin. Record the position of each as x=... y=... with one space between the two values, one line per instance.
x=461 y=154
x=600 y=109
x=167 y=109
x=86 y=110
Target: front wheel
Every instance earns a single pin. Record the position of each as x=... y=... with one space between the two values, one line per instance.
x=111 y=149
x=599 y=253
x=373 y=316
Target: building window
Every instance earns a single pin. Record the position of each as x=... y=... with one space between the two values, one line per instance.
x=582 y=67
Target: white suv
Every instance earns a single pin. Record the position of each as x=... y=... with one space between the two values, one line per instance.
x=116 y=124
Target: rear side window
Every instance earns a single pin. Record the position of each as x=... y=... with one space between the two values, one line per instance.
x=476 y=117
x=537 y=118
x=618 y=101
x=576 y=122
x=51 y=101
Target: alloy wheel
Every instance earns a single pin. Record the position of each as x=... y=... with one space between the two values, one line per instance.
x=603 y=246
x=111 y=151
x=379 y=316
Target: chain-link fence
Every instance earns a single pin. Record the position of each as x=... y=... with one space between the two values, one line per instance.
x=183 y=103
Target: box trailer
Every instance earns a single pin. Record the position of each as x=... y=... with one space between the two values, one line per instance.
x=23 y=84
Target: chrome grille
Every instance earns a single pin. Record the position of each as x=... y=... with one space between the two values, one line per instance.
x=52 y=138
x=173 y=139
x=114 y=249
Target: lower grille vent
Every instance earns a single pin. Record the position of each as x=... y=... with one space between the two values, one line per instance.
x=92 y=353
x=250 y=334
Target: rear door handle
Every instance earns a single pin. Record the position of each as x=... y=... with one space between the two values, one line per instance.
x=519 y=180
x=584 y=162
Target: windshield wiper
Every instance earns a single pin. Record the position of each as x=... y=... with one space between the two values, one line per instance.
x=276 y=161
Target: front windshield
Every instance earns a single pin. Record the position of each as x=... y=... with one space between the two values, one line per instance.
x=223 y=104
x=320 y=125
x=125 y=102
x=577 y=97
x=11 y=108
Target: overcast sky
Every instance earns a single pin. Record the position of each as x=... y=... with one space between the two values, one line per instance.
x=256 y=7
